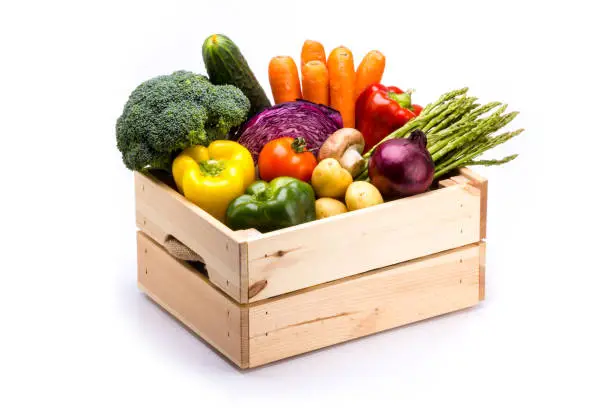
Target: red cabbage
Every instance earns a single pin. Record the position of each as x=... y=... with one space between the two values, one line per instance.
x=301 y=118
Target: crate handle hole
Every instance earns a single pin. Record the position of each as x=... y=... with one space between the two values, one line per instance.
x=181 y=251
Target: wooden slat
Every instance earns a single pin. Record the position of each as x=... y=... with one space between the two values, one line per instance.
x=187 y=295
x=482 y=271
x=364 y=304
x=329 y=249
x=161 y=211
x=483 y=185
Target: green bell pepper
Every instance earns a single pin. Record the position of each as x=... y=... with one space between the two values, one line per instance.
x=283 y=202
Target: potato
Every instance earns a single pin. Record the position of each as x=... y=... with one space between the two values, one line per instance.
x=362 y=194
x=327 y=207
x=329 y=179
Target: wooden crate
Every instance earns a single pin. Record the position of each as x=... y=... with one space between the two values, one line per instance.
x=264 y=297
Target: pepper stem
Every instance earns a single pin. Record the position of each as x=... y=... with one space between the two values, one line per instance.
x=299 y=145
x=403 y=99
x=212 y=167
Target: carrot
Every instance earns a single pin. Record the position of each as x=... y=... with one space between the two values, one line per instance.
x=312 y=51
x=342 y=84
x=284 y=79
x=370 y=71
x=315 y=82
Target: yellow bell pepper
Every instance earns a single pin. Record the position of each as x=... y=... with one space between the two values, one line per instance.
x=211 y=177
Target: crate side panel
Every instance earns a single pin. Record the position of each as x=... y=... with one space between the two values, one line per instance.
x=365 y=304
x=364 y=240
x=163 y=212
x=189 y=297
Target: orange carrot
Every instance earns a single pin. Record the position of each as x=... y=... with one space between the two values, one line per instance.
x=312 y=51
x=342 y=84
x=315 y=82
x=370 y=71
x=284 y=79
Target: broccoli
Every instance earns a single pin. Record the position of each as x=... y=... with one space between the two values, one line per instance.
x=169 y=113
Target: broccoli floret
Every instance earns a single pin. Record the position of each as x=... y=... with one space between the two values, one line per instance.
x=169 y=113
x=224 y=105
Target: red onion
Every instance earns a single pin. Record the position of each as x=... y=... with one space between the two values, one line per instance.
x=402 y=167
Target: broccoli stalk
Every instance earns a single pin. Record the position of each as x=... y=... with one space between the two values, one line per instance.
x=169 y=113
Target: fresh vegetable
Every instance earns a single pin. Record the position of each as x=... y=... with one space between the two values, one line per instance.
x=169 y=113
x=286 y=156
x=370 y=71
x=458 y=131
x=315 y=82
x=342 y=84
x=329 y=179
x=328 y=207
x=312 y=51
x=284 y=79
x=380 y=110
x=295 y=119
x=225 y=64
x=212 y=177
x=283 y=202
x=346 y=146
x=361 y=194
x=402 y=167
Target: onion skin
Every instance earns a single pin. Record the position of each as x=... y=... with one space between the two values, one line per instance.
x=402 y=167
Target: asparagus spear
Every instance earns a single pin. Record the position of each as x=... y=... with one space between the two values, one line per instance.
x=457 y=131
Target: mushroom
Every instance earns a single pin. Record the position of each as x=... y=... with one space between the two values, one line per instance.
x=345 y=145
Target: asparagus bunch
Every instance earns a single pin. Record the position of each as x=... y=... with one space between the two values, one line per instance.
x=458 y=131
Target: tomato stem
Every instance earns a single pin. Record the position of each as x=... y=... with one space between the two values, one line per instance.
x=299 y=145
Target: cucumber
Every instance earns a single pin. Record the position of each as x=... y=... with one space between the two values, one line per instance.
x=225 y=64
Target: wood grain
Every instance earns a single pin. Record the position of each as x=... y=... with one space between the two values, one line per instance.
x=162 y=211
x=188 y=296
x=359 y=241
x=364 y=304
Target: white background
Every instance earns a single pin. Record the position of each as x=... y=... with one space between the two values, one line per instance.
x=75 y=331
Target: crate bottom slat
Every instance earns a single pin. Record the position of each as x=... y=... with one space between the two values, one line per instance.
x=273 y=329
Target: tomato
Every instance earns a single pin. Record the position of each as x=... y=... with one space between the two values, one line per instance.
x=286 y=156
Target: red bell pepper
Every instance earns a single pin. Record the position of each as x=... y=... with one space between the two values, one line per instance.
x=380 y=110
